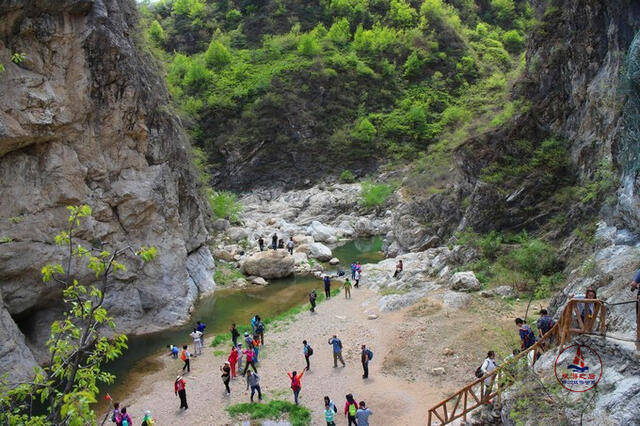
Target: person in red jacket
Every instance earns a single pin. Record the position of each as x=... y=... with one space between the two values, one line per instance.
x=350 y=409
x=233 y=360
x=296 y=384
x=179 y=388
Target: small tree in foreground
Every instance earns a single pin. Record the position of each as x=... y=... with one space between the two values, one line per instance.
x=62 y=391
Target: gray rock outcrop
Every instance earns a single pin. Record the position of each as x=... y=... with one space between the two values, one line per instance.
x=85 y=119
x=464 y=281
x=269 y=264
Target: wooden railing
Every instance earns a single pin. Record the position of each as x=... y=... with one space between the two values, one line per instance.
x=484 y=389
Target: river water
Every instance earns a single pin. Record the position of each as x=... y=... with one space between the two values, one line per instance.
x=227 y=306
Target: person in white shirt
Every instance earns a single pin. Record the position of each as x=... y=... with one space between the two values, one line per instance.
x=488 y=366
x=197 y=341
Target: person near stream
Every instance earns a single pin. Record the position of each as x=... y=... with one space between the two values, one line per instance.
x=337 y=351
x=233 y=360
x=185 y=356
x=365 y=356
x=234 y=334
x=249 y=362
x=312 y=300
x=248 y=340
x=363 y=413
x=180 y=389
x=635 y=285
x=253 y=381
x=327 y=286
x=347 y=289
x=351 y=409
x=290 y=245
x=197 y=341
x=226 y=376
x=173 y=351
x=357 y=278
x=274 y=241
x=256 y=347
x=527 y=338
x=353 y=270
x=307 y=351
x=261 y=243
x=240 y=356
x=399 y=267
x=200 y=326
x=296 y=383
x=259 y=331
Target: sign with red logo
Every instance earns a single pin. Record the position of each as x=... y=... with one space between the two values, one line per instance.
x=578 y=368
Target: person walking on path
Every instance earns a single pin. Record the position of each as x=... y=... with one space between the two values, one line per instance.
x=327 y=286
x=328 y=401
x=357 y=279
x=197 y=343
x=635 y=284
x=256 y=347
x=353 y=270
x=248 y=353
x=365 y=356
x=200 y=326
x=296 y=383
x=399 y=267
x=260 y=330
x=123 y=418
x=240 y=356
x=487 y=367
x=253 y=381
x=337 y=351
x=274 y=241
x=234 y=334
x=226 y=376
x=147 y=420
x=185 y=356
x=116 y=413
x=290 y=245
x=180 y=390
x=351 y=409
x=307 y=351
x=248 y=340
x=527 y=338
x=362 y=415
x=261 y=243
x=329 y=415
x=233 y=360
x=347 y=289
x=312 y=300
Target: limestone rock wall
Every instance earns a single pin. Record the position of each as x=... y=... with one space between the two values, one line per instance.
x=85 y=119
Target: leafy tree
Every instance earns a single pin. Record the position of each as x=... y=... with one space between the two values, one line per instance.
x=347 y=176
x=504 y=11
x=512 y=41
x=156 y=33
x=413 y=65
x=67 y=386
x=225 y=205
x=309 y=45
x=364 y=131
x=217 y=55
x=402 y=14
x=340 y=32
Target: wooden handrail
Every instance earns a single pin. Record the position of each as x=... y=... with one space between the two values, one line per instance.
x=559 y=333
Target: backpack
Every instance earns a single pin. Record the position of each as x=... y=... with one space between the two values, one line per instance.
x=352 y=409
x=309 y=350
x=545 y=324
x=479 y=372
x=125 y=422
x=260 y=327
x=339 y=343
x=529 y=337
x=370 y=354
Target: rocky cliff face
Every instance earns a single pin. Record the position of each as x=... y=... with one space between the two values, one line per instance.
x=84 y=119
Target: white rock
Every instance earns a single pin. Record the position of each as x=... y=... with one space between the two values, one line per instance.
x=320 y=251
x=437 y=371
x=320 y=232
x=372 y=316
x=269 y=264
x=465 y=281
x=259 y=281
x=334 y=261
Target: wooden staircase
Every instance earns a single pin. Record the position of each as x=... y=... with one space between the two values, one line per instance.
x=484 y=389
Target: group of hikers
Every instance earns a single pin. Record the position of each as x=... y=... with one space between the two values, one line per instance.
x=277 y=243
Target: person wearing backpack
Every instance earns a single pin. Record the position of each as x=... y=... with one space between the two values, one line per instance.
x=337 y=351
x=328 y=401
x=124 y=419
x=307 y=351
x=180 y=389
x=329 y=415
x=365 y=356
x=200 y=326
x=147 y=420
x=545 y=323
x=488 y=365
x=527 y=338
x=312 y=300
x=116 y=413
x=351 y=409
x=296 y=383
x=260 y=330
x=363 y=413
x=185 y=356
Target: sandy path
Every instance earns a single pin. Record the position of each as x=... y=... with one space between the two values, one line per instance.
x=393 y=400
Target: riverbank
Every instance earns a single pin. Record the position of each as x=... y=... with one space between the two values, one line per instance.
x=407 y=346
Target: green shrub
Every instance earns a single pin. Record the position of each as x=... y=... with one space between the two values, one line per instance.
x=340 y=32
x=225 y=205
x=309 y=45
x=513 y=41
x=226 y=274
x=233 y=16
x=402 y=14
x=298 y=415
x=347 y=177
x=217 y=55
x=156 y=33
x=375 y=194
x=364 y=131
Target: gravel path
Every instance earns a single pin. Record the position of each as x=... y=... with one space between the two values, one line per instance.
x=393 y=400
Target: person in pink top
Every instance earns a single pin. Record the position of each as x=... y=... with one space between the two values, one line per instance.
x=248 y=353
x=233 y=360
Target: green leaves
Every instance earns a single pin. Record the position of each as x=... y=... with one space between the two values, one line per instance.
x=47 y=271
x=148 y=253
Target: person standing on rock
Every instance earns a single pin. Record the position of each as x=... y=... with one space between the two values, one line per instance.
x=307 y=351
x=248 y=353
x=197 y=342
x=327 y=286
x=226 y=376
x=347 y=289
x=357 y=278
x=362 y=415
x=635 y=284
x=253 y=381
x=337 y=351
x=365 y=356
x=296 y=383
x=185 y=356
x=180 y=390
x=261 y=243
x=290 y=245
x=233 y=360
x=350 y=409
x=234 y=334
x=399 y=267
x=312 y=299
x=274 y=241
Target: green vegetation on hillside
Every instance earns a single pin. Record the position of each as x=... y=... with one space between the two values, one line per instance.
x=380 y=80
x=297 y=414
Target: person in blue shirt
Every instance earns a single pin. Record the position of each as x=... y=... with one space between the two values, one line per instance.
x=327 y=286
x=353 y=270
x=362 y=414
x=200 y=326
x=337 y=351
x=527 y=338
x=635 y=284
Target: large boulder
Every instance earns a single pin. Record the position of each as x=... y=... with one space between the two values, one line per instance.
x=321 y=232
x=269 y=264
x=15 y=356
x=320 y=252
x=464 y=281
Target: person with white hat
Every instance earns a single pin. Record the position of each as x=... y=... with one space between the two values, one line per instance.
x=226 y=375
x=180 y=390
